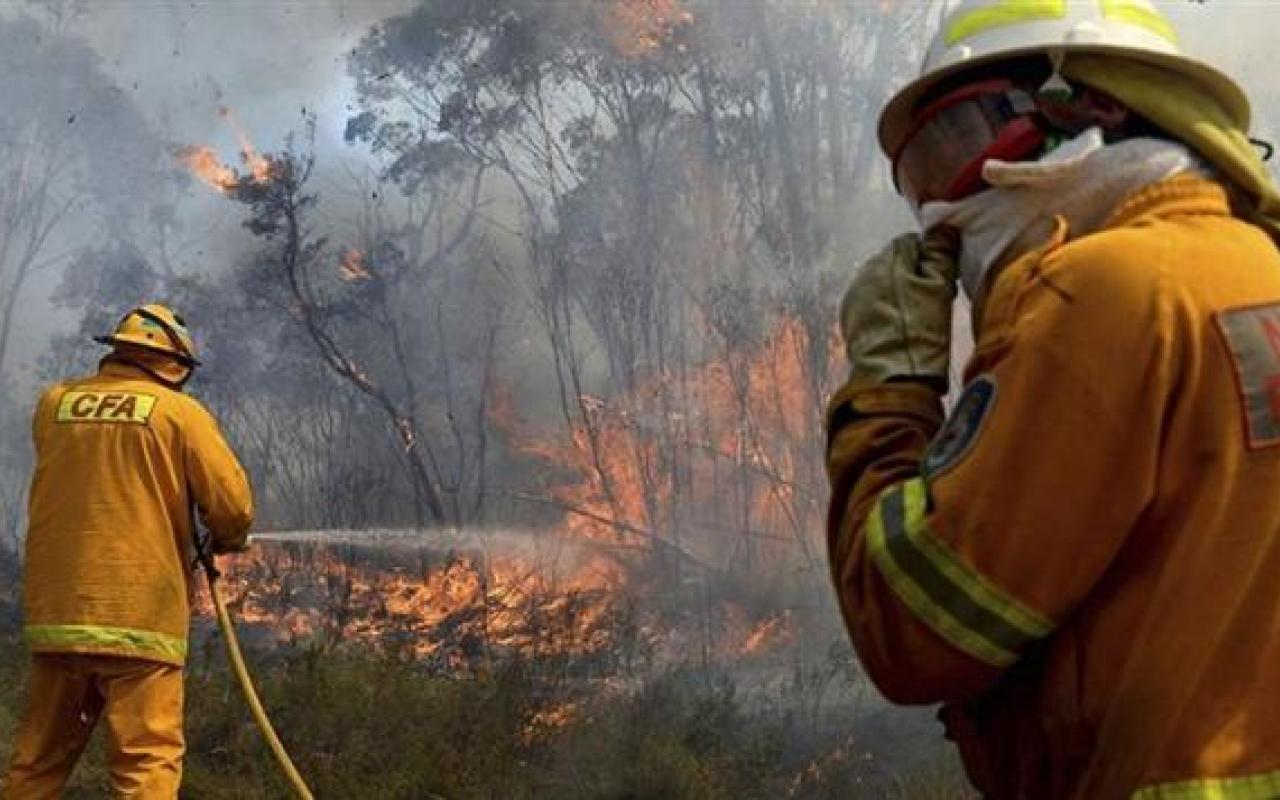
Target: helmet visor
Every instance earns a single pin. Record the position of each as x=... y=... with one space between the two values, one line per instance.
x=942 y=157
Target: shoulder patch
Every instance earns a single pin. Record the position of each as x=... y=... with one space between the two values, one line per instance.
x=1252 y=336
x=85 y=406
x=961 y=428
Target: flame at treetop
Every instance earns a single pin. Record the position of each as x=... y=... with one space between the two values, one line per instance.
x=351 y=266
x=636 y=28
x=203 y=162
x=259 y=167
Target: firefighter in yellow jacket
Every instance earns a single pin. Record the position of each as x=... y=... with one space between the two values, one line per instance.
x=1080 y=561
x=121 y=459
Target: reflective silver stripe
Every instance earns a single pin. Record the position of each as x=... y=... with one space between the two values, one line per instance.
x=961 y=605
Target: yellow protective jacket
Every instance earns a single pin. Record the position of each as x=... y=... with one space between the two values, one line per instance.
x=120 y=461
x=1083 y=562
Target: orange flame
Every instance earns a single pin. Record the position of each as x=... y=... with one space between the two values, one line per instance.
x=258 y=166
x=548 y=720
x=453 y=612
x=748 y=428
x=460 y=611
x=743 y=437
x=637 y=28
x=203 y=162
x=351 y=267
x=769 y=634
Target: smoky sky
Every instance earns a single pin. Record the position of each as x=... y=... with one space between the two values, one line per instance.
x=270 y=61
x=266 y=61
x=177 y=62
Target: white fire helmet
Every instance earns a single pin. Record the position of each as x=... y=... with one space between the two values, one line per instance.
x=981 y=32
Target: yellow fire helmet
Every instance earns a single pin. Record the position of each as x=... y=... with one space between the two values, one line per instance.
x=975 y=33
x=155 y=327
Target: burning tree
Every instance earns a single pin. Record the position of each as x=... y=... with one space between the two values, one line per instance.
x=332 y=299
x=685 y=180
x=664 y=188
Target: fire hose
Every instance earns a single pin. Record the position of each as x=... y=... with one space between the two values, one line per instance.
x=206 y=560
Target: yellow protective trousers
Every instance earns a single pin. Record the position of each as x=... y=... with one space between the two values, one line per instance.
x=141 y=702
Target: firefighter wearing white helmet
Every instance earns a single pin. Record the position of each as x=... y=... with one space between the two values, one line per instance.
x=1078 y=561
x=978 y=32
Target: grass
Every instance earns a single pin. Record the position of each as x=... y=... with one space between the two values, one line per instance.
x=367 y=726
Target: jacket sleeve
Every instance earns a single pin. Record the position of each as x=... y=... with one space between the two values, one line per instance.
x=218 y=483
x=954 y=551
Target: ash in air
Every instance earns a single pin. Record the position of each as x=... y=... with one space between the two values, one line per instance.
x=520 y=315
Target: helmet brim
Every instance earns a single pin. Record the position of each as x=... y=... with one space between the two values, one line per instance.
x=116 y=341
x=895 y=119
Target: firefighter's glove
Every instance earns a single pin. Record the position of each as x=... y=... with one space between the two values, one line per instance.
x=896 y=315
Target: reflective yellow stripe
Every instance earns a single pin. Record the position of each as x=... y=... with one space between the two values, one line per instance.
x=81 y=406
x=1264 y=786
x=1001 y=13
x=961 y=605
x=103 y=639
x=1140 y=14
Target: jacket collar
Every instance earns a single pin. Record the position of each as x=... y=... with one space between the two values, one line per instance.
x=1179 y=195
x=112 y=368
x=1182 y=194
x=160 y=369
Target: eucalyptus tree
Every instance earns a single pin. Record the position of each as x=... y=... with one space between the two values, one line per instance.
x=683 y=178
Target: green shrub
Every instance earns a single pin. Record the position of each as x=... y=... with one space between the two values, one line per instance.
x=367 y=726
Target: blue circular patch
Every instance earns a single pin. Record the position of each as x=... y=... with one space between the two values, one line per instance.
x=961 y=428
